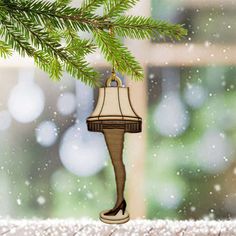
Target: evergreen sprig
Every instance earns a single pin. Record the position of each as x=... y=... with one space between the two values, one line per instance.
x=138 y=27
x=118 y=54
x=49 y=33
x=5 y=50
x=117 y=7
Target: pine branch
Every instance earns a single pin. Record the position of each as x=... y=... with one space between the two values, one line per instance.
x=14 y=38
x=62 y=3
x=48 y=32
x=115 y=8
x=60 y=55
x=48 y=64
x=91 y=5
x=138 y=27
x=5 y=50
x=118 y=55
x=61 y=17
x=76 y=45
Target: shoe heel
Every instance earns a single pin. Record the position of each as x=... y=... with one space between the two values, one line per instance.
x=123 y=208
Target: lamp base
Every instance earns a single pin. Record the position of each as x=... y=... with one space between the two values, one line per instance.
x=119 y=218
x=130 y=126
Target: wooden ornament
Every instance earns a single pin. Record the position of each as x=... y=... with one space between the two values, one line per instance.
x=114 y=116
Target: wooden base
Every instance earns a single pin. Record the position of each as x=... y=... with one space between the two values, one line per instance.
x=119 y=218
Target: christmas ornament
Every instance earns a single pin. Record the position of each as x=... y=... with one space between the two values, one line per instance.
x=114 y=116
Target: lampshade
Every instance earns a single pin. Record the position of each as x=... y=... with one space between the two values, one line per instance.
x=114 y=111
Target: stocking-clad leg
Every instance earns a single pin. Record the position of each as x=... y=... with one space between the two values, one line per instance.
x=115 y=142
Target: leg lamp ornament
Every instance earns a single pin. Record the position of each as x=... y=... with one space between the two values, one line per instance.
x=114 y=116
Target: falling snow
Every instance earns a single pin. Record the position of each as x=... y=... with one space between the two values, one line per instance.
x=18 y=201
x=41 y=200
x=195 y=143
x=217 y=187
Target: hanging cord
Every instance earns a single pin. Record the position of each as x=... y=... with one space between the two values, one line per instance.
x=113 y=76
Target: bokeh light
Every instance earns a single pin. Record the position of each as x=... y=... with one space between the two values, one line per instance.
x=171 y=118
x=214 y=152
x=195 y=95
x=46 y=133
x=82 y=155
x=26 y=102
x=66 y=103
x=170 y=194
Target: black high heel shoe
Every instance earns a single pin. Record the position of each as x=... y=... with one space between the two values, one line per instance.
x=114 y=211
x=114 y=216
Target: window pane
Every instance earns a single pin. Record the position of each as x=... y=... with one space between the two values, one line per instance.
x=213 y=23
x=192 y=130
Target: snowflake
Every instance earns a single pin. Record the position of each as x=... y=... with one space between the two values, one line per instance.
x=41 y=200
x=18 y=201
x=217 y=187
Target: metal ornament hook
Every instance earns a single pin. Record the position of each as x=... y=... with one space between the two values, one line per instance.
x=112 y=78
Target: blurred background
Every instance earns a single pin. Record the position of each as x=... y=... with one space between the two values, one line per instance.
x=183 y=164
